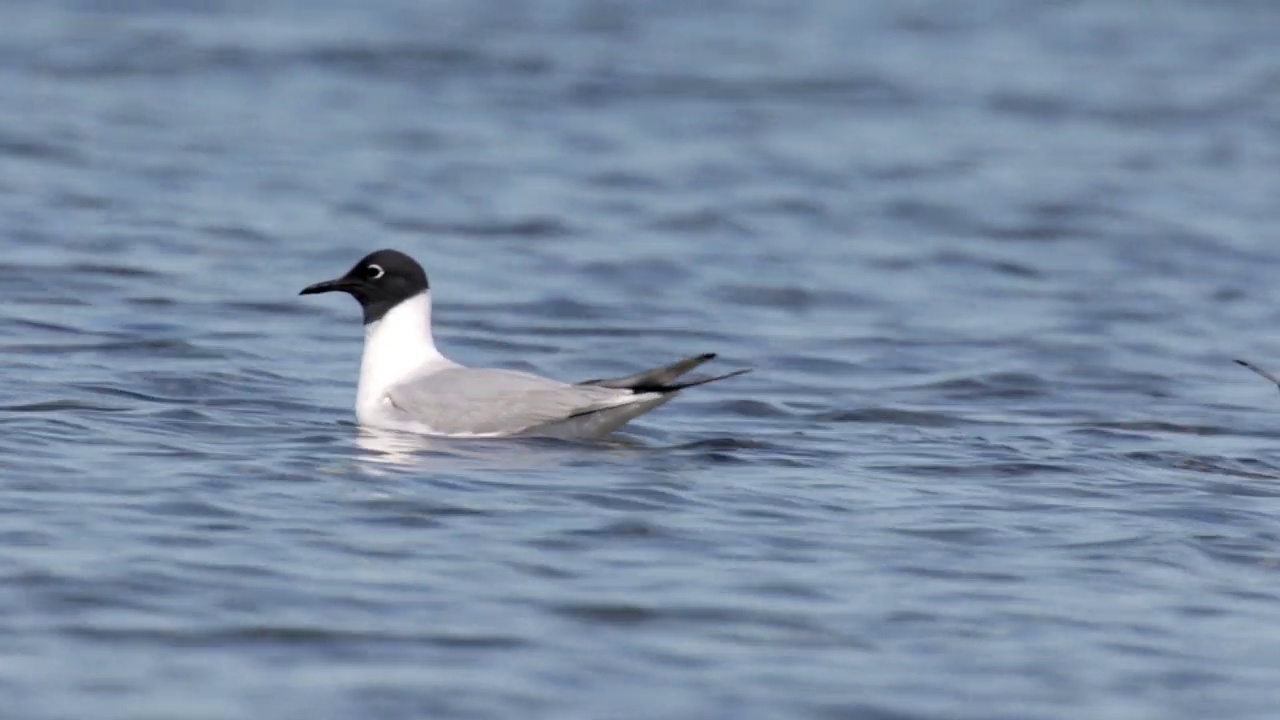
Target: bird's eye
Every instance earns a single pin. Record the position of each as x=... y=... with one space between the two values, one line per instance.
x=373 y=272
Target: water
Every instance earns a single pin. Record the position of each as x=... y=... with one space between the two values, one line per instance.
x=990 y=261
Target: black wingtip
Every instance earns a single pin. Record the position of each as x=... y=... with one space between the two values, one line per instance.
x=692 y=382
x=1240 y=362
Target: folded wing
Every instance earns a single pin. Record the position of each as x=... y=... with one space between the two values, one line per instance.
x=475 y=401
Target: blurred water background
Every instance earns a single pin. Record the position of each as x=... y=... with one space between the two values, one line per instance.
x=990 y=261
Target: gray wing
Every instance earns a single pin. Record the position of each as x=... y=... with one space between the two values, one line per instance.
x=481 y=401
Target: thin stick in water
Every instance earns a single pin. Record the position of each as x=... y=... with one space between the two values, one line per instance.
x=1260 y=371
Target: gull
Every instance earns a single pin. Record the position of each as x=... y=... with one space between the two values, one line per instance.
x=407 y=384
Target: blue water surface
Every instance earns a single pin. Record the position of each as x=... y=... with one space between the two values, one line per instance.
x=990 y=261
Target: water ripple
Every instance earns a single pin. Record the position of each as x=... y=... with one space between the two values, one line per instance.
x=989 y=266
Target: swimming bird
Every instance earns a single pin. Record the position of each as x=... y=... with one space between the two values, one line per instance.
x=407 y=384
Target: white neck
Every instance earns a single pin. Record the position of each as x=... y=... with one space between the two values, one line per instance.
x=396 y=347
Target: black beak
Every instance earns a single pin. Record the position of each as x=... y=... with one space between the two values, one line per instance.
x=339 y=285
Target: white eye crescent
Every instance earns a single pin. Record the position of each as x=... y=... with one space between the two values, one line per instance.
x=373 y=272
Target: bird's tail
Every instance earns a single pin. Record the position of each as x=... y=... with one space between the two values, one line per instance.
x=663 y=379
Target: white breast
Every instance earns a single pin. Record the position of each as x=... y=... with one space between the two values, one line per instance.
x=395 y=347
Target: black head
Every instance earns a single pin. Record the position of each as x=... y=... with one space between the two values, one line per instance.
x=379 y=282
